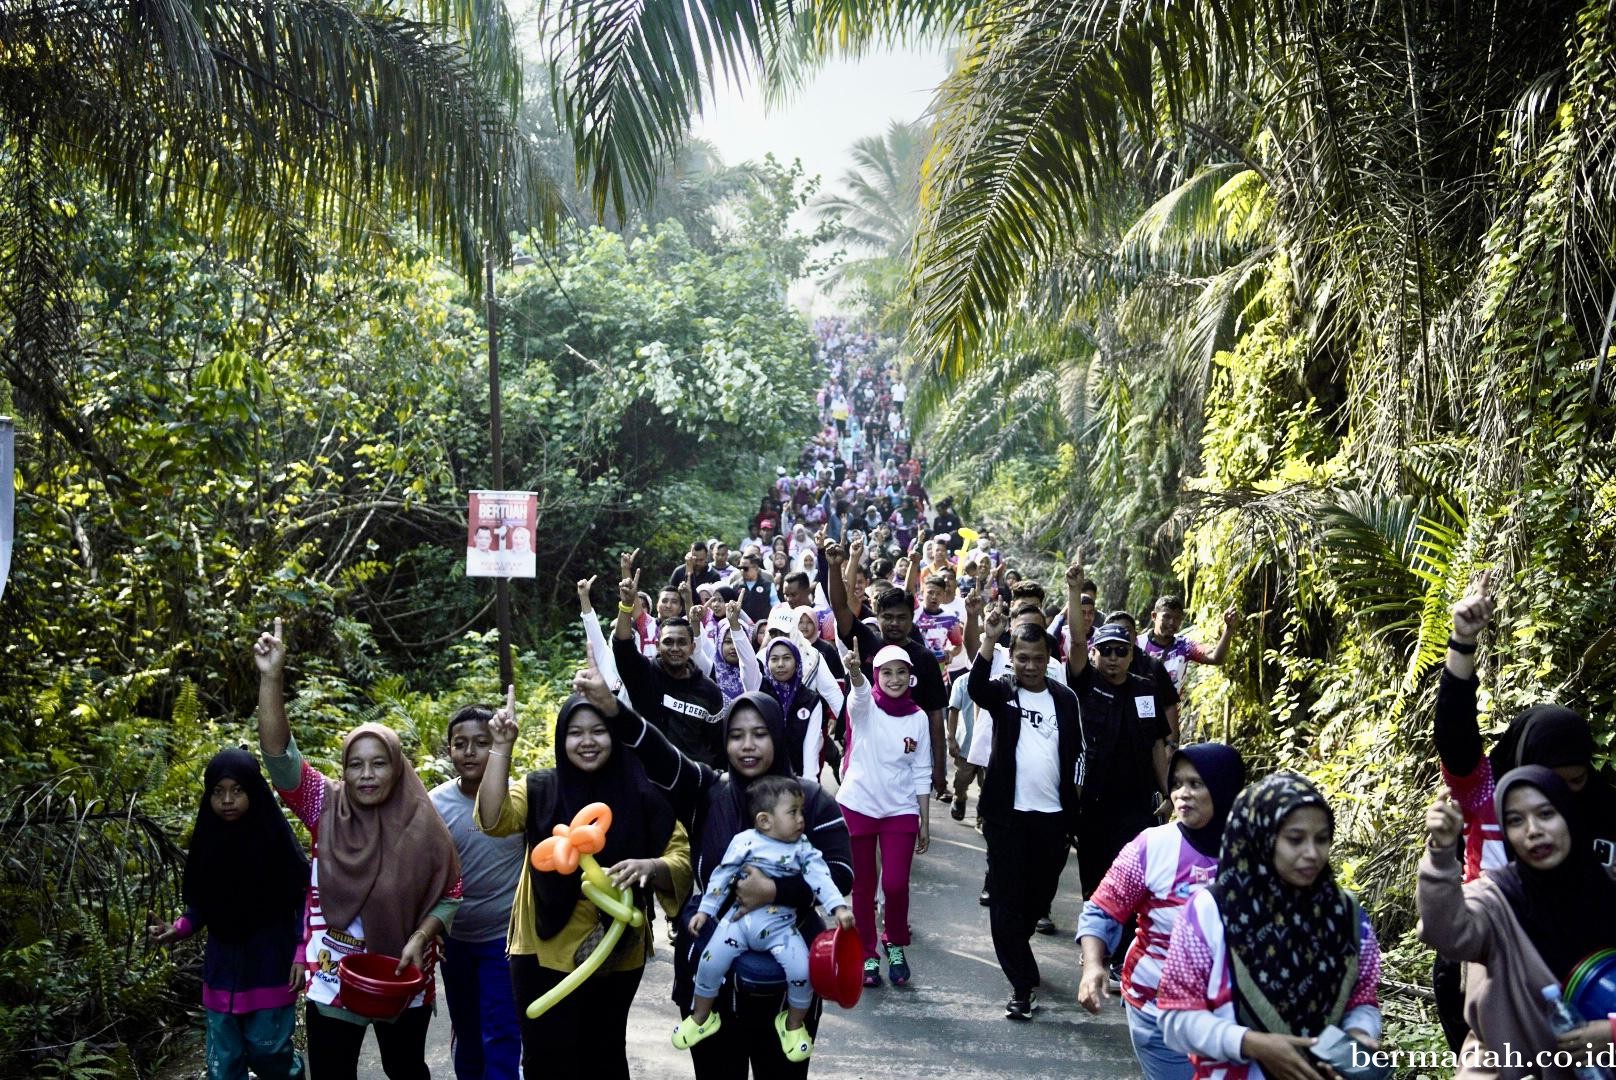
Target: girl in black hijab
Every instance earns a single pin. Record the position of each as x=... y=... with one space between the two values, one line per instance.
x=1274 y=952
x=245 y=877
x=712 y=805
x=1150 y=881
x=553 y=926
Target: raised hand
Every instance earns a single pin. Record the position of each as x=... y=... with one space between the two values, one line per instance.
x=502 y=726
x=628 y=590
x=1075 y=572
x=269 y=651
x=834 y=556
x=1472 y=613
x=975 y=603
x=1232 y=617
x=855 y=668
x=626 y=561
x=585 y=586
x=855 y=552
x=592 y=685
x=998 y=621
x=821 y=537
x=732 y=612
x=1443 y=823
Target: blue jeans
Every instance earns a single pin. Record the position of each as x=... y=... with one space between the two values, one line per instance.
x=1156 y=1059
x=482 y=1010
x=262 y=1040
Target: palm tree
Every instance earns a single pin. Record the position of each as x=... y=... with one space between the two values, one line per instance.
x=264 y=126
x=876 y=211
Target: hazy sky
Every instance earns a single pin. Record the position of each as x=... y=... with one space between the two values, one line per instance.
x=846 y=101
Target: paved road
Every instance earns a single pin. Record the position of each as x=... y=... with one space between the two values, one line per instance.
x=948 y=1021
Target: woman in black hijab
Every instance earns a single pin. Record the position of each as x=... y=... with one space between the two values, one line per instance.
x=1524 y=926
x=1150 y=881
x=245 y=876
x=554 y=927
x=712 y=806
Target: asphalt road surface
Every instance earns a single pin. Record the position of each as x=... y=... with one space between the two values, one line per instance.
x=949 y=1021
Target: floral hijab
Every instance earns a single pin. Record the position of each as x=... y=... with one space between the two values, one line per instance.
x=1293 y=952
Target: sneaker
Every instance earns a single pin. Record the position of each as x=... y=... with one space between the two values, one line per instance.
x=897 y=965
x=872 y=972
x=957 y=811
x=689 y=1033
x=945 y=796
x=1021 y=1006
x=1046 y=925
x=1114 y=976
x=979 y=826
x=797 y=1045
x=984 y=899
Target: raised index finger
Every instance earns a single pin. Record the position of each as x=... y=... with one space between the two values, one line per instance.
x=277 y=628
x=510 y=699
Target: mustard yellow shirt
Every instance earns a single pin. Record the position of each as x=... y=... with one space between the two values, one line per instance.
x=557 y=953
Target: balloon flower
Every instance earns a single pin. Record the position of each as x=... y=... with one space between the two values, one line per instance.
x=573 y=847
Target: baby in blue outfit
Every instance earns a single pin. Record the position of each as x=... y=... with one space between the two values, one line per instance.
x=777 y=847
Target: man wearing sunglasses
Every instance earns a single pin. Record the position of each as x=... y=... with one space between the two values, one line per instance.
x=1124 y=741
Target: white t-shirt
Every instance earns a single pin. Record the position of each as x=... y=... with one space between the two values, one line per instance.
x=1038 y=754
x=980 y=752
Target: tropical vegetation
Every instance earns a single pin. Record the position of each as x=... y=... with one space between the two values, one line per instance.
x=1301 y=306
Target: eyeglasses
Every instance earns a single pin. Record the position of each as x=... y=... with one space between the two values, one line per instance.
x=1112 y=650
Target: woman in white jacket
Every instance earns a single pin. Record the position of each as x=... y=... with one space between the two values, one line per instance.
x=885 y=792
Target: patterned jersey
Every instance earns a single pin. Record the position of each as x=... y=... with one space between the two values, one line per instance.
x=1195 y=977
x=1177 y=657
x=1153 y=877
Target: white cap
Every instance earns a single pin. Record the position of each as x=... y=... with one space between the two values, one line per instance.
x=890 y=653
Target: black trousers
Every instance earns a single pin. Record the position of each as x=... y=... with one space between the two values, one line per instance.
x=585 y=1034
x=1447 y=983
x=334 y=1045
x=1026 y=854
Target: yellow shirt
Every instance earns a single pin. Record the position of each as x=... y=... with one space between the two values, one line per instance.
x=557 y=953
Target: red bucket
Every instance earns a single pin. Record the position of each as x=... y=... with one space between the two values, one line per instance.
x=836 y=967
x=372 y=990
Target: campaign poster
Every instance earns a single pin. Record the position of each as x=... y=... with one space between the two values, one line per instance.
x=499 y=534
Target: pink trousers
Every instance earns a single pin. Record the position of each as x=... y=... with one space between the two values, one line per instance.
x=883 y=850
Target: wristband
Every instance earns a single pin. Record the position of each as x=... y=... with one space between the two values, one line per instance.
x=1463 y=648
x=628 y=609
x=499 y=753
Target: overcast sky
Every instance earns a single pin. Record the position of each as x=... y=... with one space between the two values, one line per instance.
x=846 y=101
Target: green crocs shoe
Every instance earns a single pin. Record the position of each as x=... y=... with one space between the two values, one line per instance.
x=689 y=1033
x=796 y=1045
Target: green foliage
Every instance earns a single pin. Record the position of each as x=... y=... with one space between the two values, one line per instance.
x=265 y=452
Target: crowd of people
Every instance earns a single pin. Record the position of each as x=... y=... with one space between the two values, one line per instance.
x=886 y=645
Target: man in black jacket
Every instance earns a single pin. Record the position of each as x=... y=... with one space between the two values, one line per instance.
x=669 y=691
x=1030 y=796
x=1125 y=739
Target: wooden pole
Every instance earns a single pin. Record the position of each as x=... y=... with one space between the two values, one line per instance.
x=502 y=586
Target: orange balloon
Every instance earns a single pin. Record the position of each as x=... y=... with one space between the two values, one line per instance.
x=587 y=839
x=585 y=836
x=596 y=813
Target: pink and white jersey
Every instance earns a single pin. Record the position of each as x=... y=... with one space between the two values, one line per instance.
x=1154 y=876
x=1483 y=837
x=1195 y=978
